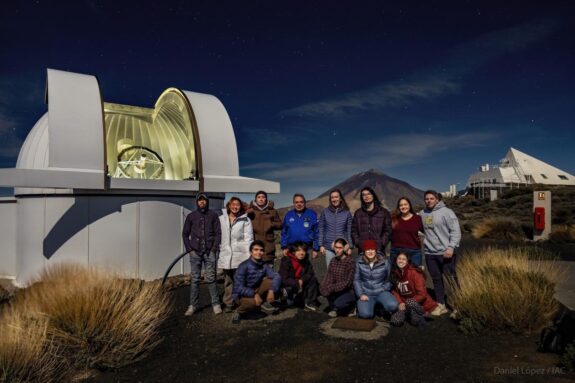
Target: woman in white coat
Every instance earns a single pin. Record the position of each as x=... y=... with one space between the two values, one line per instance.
x=237 y=235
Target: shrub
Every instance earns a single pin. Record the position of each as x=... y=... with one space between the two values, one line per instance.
x=498 y=228
x=27 y=353
x=102 y=321
x=562 y=234
x=505 y=289
x=568 y=357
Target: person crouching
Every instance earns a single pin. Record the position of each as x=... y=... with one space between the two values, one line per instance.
x=371 y=282
x=299 y=282
x=337 y=285
x=254 y=284
x=409 y=289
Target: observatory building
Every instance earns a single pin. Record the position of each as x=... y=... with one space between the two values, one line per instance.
x=516 y=169
x=106 y=184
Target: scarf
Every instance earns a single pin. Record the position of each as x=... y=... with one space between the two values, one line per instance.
x=296 y=265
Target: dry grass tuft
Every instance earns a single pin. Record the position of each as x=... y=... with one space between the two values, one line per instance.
x=563 y=234
x=101 y=320
x=498 y=228
x=27 y=353
x=506 y=289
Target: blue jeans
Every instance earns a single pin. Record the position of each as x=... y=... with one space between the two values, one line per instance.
x=209 y=260
x=366 y=309
x=329 y=255
x=413 y=255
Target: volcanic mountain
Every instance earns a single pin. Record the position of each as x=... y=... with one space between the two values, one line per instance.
x=387 y=188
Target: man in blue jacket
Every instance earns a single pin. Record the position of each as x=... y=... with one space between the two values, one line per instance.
x=300 y=225
x=253 y=282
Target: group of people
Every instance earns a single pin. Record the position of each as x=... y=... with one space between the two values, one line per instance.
x=241 y=242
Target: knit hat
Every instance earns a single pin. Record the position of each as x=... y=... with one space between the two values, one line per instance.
x=369 y=244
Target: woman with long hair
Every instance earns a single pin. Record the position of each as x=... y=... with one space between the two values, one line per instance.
x=407 y=229
x=237 y=235
x=334 y=222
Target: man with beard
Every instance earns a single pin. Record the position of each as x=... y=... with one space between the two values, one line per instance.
x=202 y=236
x=265 y=219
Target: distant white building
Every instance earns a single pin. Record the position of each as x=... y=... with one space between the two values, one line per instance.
x=517 y=169
x=105 y=184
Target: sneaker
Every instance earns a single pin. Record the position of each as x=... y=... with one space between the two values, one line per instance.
x=310 y=307
x=455 y=315
x=439 y=310
x=332 y=314
x=236 y=319
x=190 y=311
x=217 y=308
x=352 y=313
x=266 y=306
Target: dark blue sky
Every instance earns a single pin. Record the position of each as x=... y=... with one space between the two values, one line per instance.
x=318 y=90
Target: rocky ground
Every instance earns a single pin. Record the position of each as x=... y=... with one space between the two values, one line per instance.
x=298 y=346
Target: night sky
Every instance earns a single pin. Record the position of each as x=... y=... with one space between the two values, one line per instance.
x=318 y=90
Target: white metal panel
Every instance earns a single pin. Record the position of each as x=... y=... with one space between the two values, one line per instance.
x=66 y=235
x=76 y=132
x=160 y=237
x=34 y=151
x=168 y=185
x=239 y=185
x=52 y=178
x=217 y=140
x=8 y=237
x=29 y=236
x=114 y=234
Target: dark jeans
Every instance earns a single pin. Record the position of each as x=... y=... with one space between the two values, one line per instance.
x=342 y=302
x=414 y=255
x=437 y=265
x=308 y=293
x=209 y=260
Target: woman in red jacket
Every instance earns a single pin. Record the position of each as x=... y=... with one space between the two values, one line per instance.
x=409 y=290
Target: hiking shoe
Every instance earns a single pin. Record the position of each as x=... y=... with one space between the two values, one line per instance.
x=311 y=307
x=266 y=306
x=332 y=314
x=455 y=315
x=439 y=310
x=190 y=311
x=236 y=319
x=217 y=308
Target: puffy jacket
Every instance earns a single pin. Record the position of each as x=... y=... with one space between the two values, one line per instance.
x=410 y=284
x=236 y=240
x=442 y=229
x=287 y=272
x=334 y=223
x=249 y=276
x=202 y=231
x=370 y=281
x=264 y=221
x=300 y=227
x=375 y=224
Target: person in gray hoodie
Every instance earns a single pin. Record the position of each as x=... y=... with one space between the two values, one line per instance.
x=442 y=237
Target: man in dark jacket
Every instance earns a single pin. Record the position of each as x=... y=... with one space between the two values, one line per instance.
x=372 y=221
x=202 y=236
x=254 y=282
x=265 y=219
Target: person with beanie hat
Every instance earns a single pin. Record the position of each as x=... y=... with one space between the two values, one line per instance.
x=371 y=281
x=202 y=236
x=265 y=220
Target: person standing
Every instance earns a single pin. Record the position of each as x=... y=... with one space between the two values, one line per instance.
x=255 y=285
x=334 y=222
x=300 y=225
x=202 y=236
x=372 y=221
x=237 y=235
x=265 y=219
x=405 y=236
x=442 y=237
